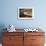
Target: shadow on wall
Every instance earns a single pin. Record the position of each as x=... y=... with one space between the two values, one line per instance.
x=2 y=26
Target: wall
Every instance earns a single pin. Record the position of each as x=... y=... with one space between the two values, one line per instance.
x=9 y=13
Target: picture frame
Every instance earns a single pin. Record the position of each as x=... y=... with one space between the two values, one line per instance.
x=25 y=13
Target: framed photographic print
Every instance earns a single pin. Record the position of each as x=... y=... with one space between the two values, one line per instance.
x=25 y=13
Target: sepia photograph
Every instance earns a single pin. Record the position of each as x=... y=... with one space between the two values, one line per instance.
x=25 y=13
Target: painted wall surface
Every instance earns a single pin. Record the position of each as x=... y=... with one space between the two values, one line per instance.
x=8 y=13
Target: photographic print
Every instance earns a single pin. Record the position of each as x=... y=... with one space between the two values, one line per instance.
x=25 y=13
